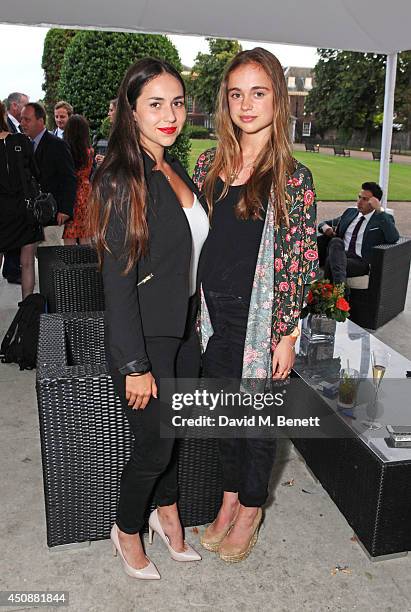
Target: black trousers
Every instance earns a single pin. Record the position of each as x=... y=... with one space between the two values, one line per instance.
x=339 y=264
x=153 y=461
x=246 y=462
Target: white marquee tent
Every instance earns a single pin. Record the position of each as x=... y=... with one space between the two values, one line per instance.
x=356 y=25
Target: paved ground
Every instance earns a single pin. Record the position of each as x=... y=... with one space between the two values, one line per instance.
x=399 y=159
x=303 y=538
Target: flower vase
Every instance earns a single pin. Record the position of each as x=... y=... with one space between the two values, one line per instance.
x=318 y=328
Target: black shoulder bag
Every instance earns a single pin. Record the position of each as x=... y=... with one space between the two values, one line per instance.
x=41 y=208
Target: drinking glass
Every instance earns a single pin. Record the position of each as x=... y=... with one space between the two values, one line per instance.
x=347 y=389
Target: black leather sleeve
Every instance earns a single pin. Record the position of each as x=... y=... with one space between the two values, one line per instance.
x=122 y=316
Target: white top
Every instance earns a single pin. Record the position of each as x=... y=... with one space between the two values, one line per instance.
x=59 y=133
x=198 y=221
x=360 y=236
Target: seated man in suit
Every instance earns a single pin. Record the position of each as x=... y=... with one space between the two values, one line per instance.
x=356 y=232
x=54 y=160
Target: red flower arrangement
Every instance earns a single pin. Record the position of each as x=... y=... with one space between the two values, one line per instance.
x=327 y=299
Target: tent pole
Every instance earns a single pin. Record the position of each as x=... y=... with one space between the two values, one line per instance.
x=390 y=76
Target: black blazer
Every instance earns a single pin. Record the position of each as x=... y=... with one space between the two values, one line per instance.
x=158 y=306
x=57 y=173
x=380 y=229
x=12 y=127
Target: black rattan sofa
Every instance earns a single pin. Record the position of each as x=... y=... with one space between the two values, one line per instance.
x=85 y=440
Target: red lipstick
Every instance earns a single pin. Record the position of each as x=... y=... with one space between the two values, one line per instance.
x=168 y=130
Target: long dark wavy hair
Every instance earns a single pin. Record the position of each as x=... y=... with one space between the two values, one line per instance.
x=77 y=136
x=119 y=183
x=275 y=162
x=3 y=122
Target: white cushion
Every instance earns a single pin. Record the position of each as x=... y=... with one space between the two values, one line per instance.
x=358 y=282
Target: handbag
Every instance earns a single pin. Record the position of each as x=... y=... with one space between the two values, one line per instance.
x=41 y=207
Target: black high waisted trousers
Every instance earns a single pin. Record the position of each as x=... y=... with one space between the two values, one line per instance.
x=153 y=460
x=246 y=462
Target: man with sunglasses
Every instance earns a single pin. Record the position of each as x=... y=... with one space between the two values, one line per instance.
x=353 y=235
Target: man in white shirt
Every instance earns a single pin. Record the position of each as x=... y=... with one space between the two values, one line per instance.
x=62 y=113
x=354 y=234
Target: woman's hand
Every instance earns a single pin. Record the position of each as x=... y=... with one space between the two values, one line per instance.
x=283 y=358
x=99 y=159
x=139 y=389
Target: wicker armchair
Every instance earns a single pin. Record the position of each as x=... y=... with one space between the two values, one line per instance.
x=380 y=296
x=85 y=439
x=384 y=297
x=69 y=279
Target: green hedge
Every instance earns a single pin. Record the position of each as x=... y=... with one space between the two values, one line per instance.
x=55 y=45
x=198 y=131
x=93 y=68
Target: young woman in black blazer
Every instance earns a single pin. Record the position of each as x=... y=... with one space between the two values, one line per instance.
x=149 y=228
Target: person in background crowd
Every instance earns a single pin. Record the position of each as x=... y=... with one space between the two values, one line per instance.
x=99 y=158
x=353 y=235
x=111 y=113
x=259 y=259
x=16 y=168
x=54 y=160
x=14 y=104
x=149 y=228
x=62 y=113
x=77 y=136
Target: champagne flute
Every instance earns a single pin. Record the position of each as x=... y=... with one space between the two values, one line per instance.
x=379 y=362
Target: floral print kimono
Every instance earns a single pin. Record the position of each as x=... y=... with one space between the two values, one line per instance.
x=287 y=264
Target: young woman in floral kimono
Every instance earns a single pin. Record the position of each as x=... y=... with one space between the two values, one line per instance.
x=259 y=258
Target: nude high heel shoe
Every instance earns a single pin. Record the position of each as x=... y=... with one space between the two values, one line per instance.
x=145 y=573
x=154 y=525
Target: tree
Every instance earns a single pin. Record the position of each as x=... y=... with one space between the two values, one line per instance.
x=94 y=65
x=208 y=70
x=348 y=91
x=55 y=45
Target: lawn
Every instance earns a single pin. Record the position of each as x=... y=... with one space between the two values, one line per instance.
x=338 y=178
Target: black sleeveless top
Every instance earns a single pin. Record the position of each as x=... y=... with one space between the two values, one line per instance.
x=232 y=246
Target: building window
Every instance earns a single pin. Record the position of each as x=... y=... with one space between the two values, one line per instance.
x=309 y=83
x=291 y=82
x=189 y=104
x=307 y=128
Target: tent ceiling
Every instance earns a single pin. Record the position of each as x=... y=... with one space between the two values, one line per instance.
x=357 y=25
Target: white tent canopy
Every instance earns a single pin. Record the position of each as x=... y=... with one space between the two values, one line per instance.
x=356 y=25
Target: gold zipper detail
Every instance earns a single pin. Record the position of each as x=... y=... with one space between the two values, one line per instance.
x=145 y=279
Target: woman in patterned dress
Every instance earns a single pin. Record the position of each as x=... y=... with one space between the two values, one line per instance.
x=259 y=258
x=77 y=135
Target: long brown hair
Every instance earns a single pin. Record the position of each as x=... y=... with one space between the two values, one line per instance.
x=119 y=186
x=3 y=121
x=77 y=136
x=275 y=162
